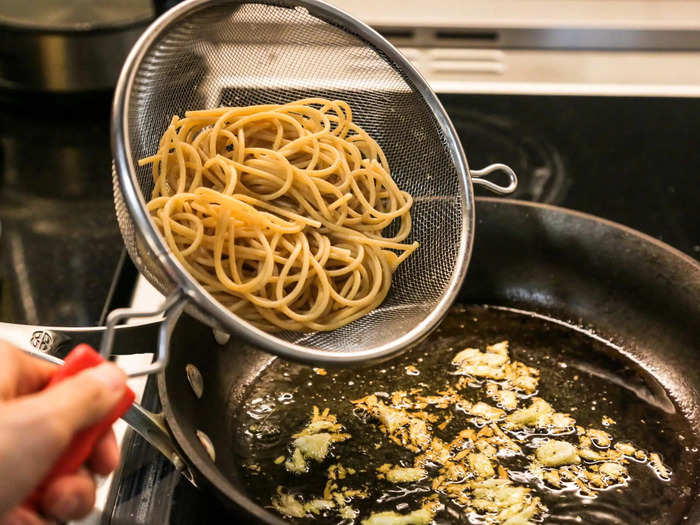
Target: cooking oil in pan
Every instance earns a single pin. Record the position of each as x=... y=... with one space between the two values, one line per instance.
x=370 y=468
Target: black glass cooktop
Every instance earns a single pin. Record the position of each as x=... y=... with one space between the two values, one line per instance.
x=60 y=246
x=631 y=160
x=634 y=161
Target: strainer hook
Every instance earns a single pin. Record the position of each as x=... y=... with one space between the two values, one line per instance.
x=496 y=188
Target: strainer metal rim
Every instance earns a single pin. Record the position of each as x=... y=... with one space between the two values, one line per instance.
x=188 y=286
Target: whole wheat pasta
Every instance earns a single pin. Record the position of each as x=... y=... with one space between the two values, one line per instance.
x=281 y=211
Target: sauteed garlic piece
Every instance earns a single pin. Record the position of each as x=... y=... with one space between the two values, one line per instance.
x=335 y=499
x=486 y=412
x=512 y=505
x=288 y=505
x=506 y=399
x=539 y=415
x=662 y=470
x=495 y=364
x=417 y=517
x=314 y=441
x=554 y=453
x=398 y=474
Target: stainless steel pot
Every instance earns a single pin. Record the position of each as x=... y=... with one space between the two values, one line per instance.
x=67 y=46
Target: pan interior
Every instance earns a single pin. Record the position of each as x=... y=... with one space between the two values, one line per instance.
x=581 y=374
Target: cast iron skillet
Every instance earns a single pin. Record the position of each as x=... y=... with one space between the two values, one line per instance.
x=633 y=290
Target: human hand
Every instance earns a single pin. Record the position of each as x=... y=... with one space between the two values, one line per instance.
x=37 y=425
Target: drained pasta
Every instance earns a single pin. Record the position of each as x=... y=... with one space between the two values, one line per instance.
x=282 y=212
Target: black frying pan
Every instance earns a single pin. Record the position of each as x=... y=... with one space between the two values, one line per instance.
x=634 y=291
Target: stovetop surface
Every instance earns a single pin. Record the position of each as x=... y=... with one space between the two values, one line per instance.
x=634 y=161
x=631 y=160
x=60 y=246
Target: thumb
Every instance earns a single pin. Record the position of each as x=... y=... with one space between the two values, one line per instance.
x=37 y=428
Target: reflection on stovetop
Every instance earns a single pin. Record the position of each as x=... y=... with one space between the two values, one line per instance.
x=634 y=161
x=631 y=160
x=491 y=138
x=59 y=244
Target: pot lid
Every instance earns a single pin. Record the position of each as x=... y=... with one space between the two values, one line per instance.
x=74 y=15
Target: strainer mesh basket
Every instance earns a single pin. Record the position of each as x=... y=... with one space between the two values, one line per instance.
x=212 y=54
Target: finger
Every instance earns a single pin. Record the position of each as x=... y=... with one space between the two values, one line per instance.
x=78 y=401
x=37 y=428
x=22 y=516
x=105 y=456
x=21 y=373
x=69 y=497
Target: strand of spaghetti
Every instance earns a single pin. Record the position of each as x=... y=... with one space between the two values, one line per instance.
x=249 y=214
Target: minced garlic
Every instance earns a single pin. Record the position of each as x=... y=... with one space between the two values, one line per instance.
x=510 y=504
x=506 y=399
x=314 y=441
x=662 y=470
x=481 y=465
x=474 y=362
x=468 y=469
x=417 y=517
x=539 y=415
x=288 y=505
x=554 y=453
x=486 y=412
x=397 y=474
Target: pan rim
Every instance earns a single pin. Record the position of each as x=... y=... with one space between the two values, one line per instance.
x=601 y=220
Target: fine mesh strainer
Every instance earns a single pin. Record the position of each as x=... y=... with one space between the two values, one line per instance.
x=209 y=53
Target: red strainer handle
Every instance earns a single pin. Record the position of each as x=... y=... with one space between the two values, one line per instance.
x=80 y=358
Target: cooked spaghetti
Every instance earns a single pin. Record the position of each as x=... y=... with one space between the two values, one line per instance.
x=281 y=212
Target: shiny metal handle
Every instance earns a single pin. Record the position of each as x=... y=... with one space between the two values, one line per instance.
x=138 y=339
x=502 y=190
x=150 y=426
x=59 y=340
x=28 y=337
